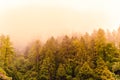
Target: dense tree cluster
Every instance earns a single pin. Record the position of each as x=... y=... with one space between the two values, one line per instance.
x=83 y=57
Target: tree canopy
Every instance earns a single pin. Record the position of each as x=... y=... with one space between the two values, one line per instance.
x=93 y=56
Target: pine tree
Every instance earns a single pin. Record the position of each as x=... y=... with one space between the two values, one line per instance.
x=102 y=72
x=61 y=73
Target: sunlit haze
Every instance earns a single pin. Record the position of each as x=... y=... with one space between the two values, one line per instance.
x=26 y=20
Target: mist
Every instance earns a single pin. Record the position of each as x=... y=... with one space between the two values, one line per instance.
x=25 y=24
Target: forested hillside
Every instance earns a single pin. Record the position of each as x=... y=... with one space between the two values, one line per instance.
x=93 y=56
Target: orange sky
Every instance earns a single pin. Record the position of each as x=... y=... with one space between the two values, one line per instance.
x=25 y=20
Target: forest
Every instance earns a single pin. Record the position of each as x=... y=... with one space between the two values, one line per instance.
x=94 y=56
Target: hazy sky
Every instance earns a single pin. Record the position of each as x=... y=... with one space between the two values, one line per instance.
x=25 y=20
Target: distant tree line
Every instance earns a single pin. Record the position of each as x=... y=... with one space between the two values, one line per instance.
x=93 y=56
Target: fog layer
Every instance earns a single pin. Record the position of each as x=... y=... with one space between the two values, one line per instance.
x=24 y=24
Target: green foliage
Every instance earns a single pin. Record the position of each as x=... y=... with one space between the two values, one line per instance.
x=3 y=75
x=68 y=77
x=47 y=68
x=2 y=71
x=6 y=51
x=43 y=77
x=85 y=72
x=85 y=57
x=115 y=66
x=102 y=72
x=61 y=71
